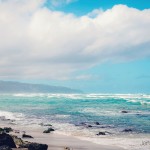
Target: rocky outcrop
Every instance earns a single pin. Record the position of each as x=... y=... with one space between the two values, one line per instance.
x=6 y=139
x=124 y=111
x=24 y=145
x=12 y=142
x=97 y=123
x=67 y=148
x=127 y=130
x=46 y=125
x=5 y=147
x=48 y=130
x=6 y=130
x=101 y=133
x=89 y=126
x=34 y=146
x=26 y=136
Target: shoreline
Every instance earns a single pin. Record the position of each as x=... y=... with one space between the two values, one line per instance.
x=56 y=141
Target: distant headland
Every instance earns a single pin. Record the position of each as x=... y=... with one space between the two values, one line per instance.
x=19 y=87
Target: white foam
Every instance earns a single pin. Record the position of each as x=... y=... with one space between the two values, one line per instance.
x=68 y=96
x=61 y=116
x=86 y=96
x=10 y=115
x=29 y=95
x=142 y=102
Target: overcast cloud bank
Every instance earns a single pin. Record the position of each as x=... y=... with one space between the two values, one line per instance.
x=36 y=42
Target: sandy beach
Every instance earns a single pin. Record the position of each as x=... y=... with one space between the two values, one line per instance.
x=56 y=141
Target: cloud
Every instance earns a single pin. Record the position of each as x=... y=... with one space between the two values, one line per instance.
x=36 y=42
x=95 y=13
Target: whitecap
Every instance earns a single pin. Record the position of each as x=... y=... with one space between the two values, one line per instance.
x=29 y=95
x=10 y=115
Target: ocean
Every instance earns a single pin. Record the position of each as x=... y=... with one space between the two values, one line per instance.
x=81 y=115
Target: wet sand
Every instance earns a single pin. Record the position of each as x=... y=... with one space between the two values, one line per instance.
x=56 y=141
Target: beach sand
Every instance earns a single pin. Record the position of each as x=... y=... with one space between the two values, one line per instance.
x=56 y=141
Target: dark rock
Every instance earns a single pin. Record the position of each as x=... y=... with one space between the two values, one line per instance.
x=97 y=123
x=101 y=133
x=8 y=129
x=47 y=125
x=127 y=130
x=124 y=111
x=6 y=139
x=42 y=124
x=67 y=148
x=5 y=147
x=48 y=130
x=89 y=126
x=103 y=127
x=26 y=136
x=34 y=146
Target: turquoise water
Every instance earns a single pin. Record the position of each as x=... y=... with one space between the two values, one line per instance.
x=70 y=112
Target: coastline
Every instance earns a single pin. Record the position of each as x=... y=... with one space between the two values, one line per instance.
x=119 y=128
x=56 y=141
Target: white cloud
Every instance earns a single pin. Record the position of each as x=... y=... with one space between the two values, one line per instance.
x=36 y=42
x=95 y=13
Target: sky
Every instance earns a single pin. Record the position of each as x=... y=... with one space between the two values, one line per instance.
x=98 y=46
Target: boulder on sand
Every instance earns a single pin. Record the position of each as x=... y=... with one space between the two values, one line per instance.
x=101 y=133
x=5 y=147
x=67 y=148
x=34 y=146
x=6 y=130
x=26 y=136
x=127 y=130
x=6 y=139
x=97 y=123
x=48 y=130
